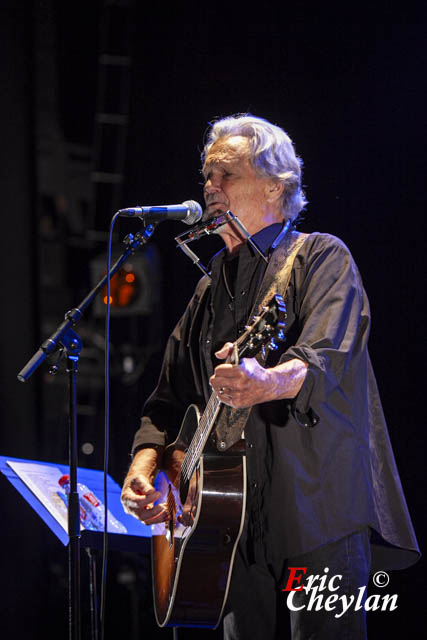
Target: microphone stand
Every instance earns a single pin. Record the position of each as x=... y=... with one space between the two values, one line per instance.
x=66 y=340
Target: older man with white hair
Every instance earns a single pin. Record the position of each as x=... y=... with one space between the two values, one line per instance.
x=323 y=493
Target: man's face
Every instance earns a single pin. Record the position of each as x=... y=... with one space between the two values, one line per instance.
x=232 y=184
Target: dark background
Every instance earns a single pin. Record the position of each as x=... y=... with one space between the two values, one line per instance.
x=352 y=98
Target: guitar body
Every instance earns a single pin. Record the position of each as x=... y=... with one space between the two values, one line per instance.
x=192 y=561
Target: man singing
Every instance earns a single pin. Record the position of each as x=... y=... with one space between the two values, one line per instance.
x=323 y=488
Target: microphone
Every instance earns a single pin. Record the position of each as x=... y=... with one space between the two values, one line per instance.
x=188 y=212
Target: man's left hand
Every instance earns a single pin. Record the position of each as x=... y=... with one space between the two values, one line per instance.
x=248 y=383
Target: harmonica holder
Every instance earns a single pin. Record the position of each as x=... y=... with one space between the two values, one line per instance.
x=206 y=229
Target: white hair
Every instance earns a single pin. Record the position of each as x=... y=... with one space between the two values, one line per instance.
x=272 y=155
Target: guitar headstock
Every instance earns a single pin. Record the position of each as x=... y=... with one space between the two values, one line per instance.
x=263 y=331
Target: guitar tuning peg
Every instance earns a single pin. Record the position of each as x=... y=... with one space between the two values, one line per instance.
x=272 y=345
x=281 y=336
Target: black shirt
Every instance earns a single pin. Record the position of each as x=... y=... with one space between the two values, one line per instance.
x=308 y=485
x=236 y=279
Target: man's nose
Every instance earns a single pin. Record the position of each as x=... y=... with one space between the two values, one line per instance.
x=212 y=185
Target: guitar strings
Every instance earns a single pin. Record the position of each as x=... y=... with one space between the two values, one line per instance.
x=200 y=436
x=206 y=421
x=203 y=429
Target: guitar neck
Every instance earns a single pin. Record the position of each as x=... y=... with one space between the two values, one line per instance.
x=200 y=437
x=268 y=324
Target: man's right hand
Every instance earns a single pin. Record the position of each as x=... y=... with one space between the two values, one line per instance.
x=138 y=493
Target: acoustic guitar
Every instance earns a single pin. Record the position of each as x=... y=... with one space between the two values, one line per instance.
x=205 y=493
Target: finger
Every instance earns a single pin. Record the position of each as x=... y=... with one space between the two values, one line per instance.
x=186 y=518
x=141 y=492
x=140 y=486
x=141 y=498
x=132 y=501
x=225 y=375
x=225 y=351
x=227 y=370
x=162 y=516
x=153 y=514
x=228 y=400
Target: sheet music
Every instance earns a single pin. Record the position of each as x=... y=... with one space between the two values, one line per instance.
x=43 y=481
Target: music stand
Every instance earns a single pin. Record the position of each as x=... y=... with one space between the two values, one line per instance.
x=137 y=538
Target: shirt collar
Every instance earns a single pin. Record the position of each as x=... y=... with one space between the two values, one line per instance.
x=263 y=238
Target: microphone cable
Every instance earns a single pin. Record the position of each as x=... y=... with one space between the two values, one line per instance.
x=106 y=431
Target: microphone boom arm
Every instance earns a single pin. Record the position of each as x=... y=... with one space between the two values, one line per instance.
x=61 y=334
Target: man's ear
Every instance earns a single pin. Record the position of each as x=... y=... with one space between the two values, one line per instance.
x=274 y=190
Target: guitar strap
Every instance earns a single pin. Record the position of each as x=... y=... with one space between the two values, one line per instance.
x=231 y=422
